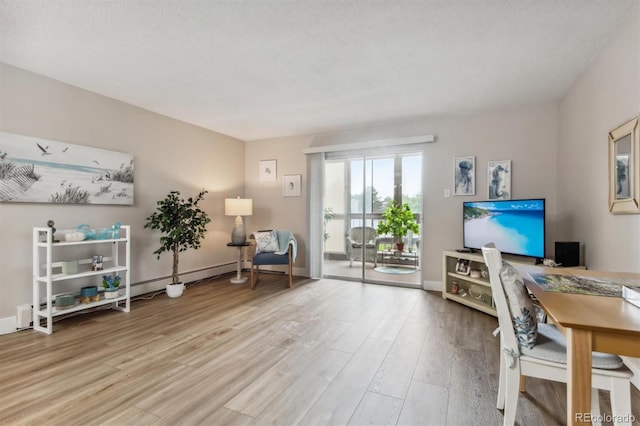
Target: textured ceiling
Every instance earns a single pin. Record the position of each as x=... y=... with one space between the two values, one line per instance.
x=267 y=68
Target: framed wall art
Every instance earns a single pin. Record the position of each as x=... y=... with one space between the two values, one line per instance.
x=624 y=168
x=291 y=185
x=464 y=176
x=268 y=170
x=36 y=170
x=499 y=180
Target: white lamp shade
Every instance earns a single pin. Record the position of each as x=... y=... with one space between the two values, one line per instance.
x=238 y=206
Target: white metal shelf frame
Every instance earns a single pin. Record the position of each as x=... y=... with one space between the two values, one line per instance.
x=43 y=275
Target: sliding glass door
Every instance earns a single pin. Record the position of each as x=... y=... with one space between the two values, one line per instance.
x=358 y=188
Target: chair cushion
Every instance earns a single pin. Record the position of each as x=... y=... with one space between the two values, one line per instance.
x=551 y=346
x=270 y=259
x=523 y=314
x=266 y=241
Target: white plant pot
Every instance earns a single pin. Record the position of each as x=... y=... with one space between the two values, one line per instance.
x=175 y=290
x=110 y=294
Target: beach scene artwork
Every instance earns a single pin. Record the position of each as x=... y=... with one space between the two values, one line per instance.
x=36 y=170
x=582 y=285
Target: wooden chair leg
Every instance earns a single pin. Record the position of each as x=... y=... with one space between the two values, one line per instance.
x=523 y=383
x=621 y=401
x=290 y=270
x=254 y=280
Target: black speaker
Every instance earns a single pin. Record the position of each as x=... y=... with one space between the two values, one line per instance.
x=568 y=253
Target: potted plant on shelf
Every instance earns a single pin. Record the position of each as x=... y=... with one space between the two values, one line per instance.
x=182 y=225
x=110 y=285
x=398 y=220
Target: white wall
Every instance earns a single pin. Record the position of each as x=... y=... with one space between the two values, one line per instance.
x=168 y=155
x=526 y=135
x=606 y=95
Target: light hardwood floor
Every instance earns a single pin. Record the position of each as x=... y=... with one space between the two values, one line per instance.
x=326 y=352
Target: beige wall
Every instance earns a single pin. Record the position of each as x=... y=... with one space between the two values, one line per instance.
x=606 y=95
x=527 y=136
x=270 y=208
x=168 y=155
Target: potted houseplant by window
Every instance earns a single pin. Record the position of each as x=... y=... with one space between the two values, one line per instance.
x=182 y=225
x=398 y=220
x=110 y=285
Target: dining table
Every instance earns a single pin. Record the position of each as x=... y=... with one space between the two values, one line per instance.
x=590 y=322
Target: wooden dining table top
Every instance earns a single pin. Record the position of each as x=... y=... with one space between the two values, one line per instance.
x=599 y=314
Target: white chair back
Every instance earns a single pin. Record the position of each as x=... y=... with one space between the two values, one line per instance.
x=493 y=260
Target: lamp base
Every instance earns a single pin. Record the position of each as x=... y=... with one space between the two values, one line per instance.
x=238 y=235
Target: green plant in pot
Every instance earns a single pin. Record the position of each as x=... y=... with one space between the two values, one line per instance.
x=182 y=225
x=398 y=220
x=110 y=284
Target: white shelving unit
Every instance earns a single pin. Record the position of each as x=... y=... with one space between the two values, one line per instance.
x=465 y=282
x=45 y=280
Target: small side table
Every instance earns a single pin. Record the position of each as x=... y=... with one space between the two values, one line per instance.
x=239 y=279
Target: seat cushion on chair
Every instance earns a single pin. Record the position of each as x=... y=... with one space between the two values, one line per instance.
x=266 y=241
x=270 y=259
x=551 y=346
x=523 y=314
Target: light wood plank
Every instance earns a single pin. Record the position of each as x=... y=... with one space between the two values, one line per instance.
x=338 y=403
x=266 y=352
x=290 y=406
x=425 y=404
x=376 y=409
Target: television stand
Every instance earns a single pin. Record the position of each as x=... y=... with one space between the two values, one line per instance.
x=464 y=250
x=472 y=282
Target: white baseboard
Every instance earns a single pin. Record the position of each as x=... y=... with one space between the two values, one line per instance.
x=7 y=325
x=432 y=285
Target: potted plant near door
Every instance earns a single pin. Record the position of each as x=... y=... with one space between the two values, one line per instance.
x=182 y=225
x=398 y=220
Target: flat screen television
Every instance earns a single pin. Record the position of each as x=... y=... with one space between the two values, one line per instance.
x=515 y=226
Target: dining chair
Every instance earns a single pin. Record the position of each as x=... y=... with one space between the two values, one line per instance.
x=539 y=350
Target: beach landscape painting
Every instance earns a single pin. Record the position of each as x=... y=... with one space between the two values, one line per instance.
x=36 y=170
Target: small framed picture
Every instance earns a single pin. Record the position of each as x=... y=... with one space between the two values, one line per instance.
x=291 y=185
x=464 y=176
x=499 y=180
x=268 y=170
x=463 y=267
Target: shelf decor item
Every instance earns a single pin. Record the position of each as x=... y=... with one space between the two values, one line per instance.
x=110 y=284
x=398 y=220
x=89 y=294
x=65 y=301
x=182 y=225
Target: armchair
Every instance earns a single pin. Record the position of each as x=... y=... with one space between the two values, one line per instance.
x=272 y=247
x=358 y=238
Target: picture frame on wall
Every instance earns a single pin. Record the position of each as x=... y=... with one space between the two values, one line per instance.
x=38 y=170
x=268 y=170
x=291 y=185
x=464 y=175
x=499 y=180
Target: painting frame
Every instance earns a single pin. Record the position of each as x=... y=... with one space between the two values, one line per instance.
x=624 y=168
x=291 y=185
x=499 y=180
x=268 y=170
x=464 y=175
x=39 y=170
